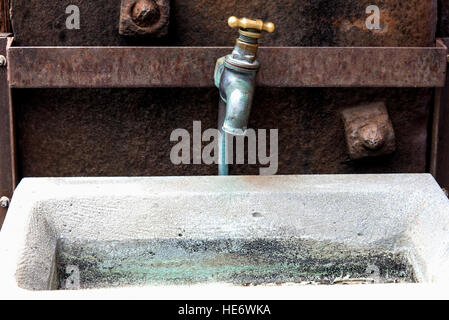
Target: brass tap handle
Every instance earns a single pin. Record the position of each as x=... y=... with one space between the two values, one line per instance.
x=245 y=23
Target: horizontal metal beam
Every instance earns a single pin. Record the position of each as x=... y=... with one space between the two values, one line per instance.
x=105 y=67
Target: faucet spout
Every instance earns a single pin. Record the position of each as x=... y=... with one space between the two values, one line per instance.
x=238 y=107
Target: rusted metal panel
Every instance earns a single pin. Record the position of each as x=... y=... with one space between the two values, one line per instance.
x=126 y=132
x=203 y=23
x=109 y=67
x=8 y=175
x=439 y=157
x=5 y=21
x=443 y=18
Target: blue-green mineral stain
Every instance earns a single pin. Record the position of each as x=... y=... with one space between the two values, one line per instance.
x=237 y=261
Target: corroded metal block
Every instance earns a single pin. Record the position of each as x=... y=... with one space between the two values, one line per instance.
x=369 y=131
x=144 y=17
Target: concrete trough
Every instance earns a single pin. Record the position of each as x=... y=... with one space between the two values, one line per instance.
x=115 y=233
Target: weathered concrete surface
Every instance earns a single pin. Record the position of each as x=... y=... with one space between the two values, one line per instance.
x=225 y=229
x=199 y=23
x=127 y=132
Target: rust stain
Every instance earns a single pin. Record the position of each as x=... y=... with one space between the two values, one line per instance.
x=387 y=22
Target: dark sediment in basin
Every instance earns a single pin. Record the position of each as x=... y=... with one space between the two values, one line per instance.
x=237 y=261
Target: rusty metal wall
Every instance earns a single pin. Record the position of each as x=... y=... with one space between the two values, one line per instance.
x=114 y=132
x=5 y=21
x=203 y=23
x=443 y=18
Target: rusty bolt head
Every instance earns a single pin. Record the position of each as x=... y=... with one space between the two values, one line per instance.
x=2 y=61
x=373 y=136
x=4 y=202
x=145 y=13
x=144 y=18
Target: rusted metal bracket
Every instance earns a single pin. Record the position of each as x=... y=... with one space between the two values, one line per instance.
x=8 y=169
x=439 y=155
x=106 y=67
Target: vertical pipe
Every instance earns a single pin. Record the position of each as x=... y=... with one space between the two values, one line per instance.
x=8 y=167
x=223 y=169
x=439 y=153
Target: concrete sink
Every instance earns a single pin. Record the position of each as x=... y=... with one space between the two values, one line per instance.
x=90 y=233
